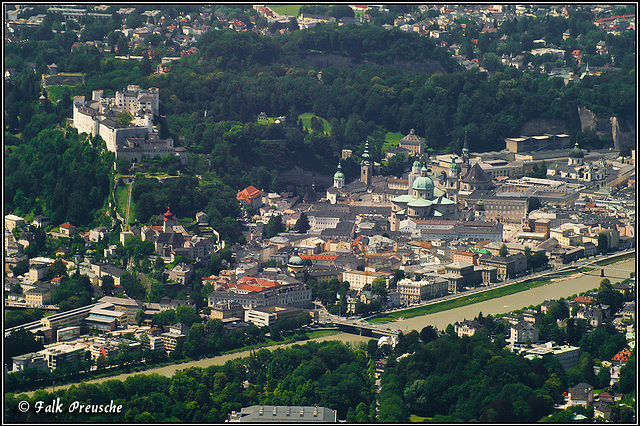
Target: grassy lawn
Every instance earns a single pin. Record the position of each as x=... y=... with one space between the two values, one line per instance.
x=467 y=300
x=616 y=259
x=306 y=121
x=54 y=93
x=417 y=419
x=382 y=320
x=322 y=333
x=122 y=194
x=285 y=9
x=391 y=139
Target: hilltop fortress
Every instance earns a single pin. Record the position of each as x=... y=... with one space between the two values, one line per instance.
x=135 y=141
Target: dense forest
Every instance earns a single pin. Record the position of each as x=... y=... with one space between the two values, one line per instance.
x=467 y=379
x=452 y=379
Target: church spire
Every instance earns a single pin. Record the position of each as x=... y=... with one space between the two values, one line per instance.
x=465 y=147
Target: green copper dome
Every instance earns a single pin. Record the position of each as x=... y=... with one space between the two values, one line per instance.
x=576 y=152
x=453 y=165
x=339 y=174
x=365 y=155
x=417 y=164
x=295 y=260
x=423 y=182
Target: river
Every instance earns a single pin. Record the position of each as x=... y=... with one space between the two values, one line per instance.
x=170 y=370
x=555 y=290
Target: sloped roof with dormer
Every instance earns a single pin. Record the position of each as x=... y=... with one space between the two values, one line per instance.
x=249 y=193
x=476 y=175
x=411 y=139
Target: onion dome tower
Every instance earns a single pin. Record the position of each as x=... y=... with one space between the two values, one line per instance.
x=169 y=221
x=365 y=166
x=338 y=178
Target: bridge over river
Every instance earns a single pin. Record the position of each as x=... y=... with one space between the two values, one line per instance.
x=358 y=326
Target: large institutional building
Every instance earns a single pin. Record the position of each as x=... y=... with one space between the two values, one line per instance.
x=422 y=202
x=134 y=141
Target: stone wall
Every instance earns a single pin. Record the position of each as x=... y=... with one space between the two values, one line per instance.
x=62 y=80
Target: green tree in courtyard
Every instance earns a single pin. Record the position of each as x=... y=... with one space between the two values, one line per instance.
x=603 y=243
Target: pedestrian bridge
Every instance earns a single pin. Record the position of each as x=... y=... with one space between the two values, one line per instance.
x=364 y=328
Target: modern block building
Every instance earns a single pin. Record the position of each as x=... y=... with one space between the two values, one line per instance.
x=283 y=414
x=507 y=267
x=269 y=315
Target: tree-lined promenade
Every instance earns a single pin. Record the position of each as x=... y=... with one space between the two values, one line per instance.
x=508 y=287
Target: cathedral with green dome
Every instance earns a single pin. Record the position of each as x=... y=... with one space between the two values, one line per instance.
x=422 y=202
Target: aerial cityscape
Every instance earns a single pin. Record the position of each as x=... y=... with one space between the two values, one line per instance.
x=319 y=213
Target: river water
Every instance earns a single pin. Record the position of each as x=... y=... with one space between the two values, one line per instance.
x=555 y=290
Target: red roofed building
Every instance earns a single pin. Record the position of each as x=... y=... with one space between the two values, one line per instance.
x=237 y=25
x=259 y=282
x=250 y=196
x=321 y=259
x=67 y=229
x=621 y=357
x=583 y=299
x=249 y=284
x=466 y=256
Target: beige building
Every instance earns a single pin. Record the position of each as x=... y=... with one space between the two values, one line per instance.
x=269 y=315
x=466 y=328
x=416 y=291
x=507 y=267
x=413 y=143
x=613 y=236
x=11 y=221
x=128 y=306
x=358 y=279
x=227 y=310
x=522 y=332
x=38 y=296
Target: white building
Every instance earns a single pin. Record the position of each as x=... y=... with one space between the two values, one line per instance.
x=30 y=360
x=134 y=141
x=522 y=332
x=11 y=221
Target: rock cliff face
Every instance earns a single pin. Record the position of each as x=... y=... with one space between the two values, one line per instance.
x=541 y=126
x=623 y=139
x=589 y=120
x=622 y=133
